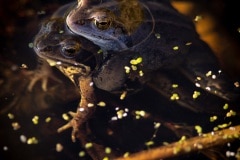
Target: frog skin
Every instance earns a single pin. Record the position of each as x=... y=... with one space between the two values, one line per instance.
x=143 y=42
x=159 y=34
x=43 y=72
x=109 y=74
x=73 y=54
x=191 y=55
x=109 y=25
x=56 y=44
x=76 y=56
x=59 y=49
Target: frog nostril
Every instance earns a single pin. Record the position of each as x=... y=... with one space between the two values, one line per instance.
x=47 y=49
x=80 y=22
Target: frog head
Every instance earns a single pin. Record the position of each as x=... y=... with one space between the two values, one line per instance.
x=71 y=54
x=108 y=24
x=76 y=56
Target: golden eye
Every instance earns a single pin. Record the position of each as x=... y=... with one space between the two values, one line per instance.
x=70 y=50
x=102 y=24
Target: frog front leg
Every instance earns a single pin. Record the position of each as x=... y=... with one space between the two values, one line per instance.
x=85 y=109
x=42 y=73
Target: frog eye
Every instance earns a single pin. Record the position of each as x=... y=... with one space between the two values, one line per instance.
x=102 y=24
x=70 y=51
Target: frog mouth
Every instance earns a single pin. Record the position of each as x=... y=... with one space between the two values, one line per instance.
x=72 y=70
x=67 y=65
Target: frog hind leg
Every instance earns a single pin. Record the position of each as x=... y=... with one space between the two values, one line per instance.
x=203 y=69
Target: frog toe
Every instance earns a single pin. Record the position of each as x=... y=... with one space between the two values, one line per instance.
x=74 y=124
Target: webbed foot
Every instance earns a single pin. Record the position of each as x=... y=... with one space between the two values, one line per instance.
x=73 y=123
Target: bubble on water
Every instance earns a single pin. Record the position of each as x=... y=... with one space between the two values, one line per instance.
x=48 y=119
x=101 y=104
x=59 y=147
x=88 y=145
x=90 y=105
x=16 y=126
x=82 y=154
x=198 y=18
x=32 y=140
x=35 y=120
x=174 y=97
x=30 y=45
x=65 y=117
x=23 y=138
x=108 y=150
x=123 y=95
x=196 y=94
x=5 y=148
x=157 y=35
x=213 y=118
x=175 y=48
x=10 y=116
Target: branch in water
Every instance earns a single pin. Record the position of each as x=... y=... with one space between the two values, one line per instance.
x=202 y=142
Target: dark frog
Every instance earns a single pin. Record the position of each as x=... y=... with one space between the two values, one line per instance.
x=154 y=32
x=160 y=51
x=171 y=48
x=76 y=56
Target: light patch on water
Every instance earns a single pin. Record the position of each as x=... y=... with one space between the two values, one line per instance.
x=82 y=154
x=23 y=138
x=65 y=117
x=32 y=140
x=59 y=147
x=16 y=126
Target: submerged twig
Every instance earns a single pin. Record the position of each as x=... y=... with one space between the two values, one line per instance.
x=198 y=143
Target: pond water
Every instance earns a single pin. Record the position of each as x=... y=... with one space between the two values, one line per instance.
x=146 y=119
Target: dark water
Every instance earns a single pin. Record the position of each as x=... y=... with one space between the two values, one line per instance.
x=20 y=21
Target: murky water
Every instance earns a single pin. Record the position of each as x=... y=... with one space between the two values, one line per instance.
x=29 y=119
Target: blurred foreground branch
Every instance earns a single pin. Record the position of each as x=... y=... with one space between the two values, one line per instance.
x=198 y=143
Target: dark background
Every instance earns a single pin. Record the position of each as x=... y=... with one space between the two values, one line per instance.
x=19 y=22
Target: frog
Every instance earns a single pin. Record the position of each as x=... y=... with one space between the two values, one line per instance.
x=142 y=27
x=79 y=60
x=127 y=71
x=162 y=37
x=57 y=46
x=83 y=62
x=120 y=25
